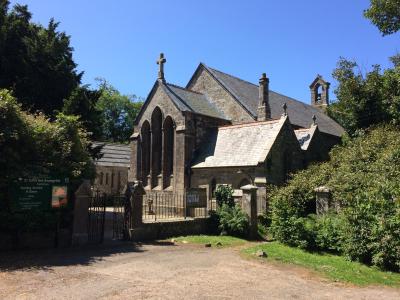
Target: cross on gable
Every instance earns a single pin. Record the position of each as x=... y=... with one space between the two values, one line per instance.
x=160 y=62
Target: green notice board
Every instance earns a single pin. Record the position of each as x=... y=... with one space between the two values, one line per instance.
x=39 y=193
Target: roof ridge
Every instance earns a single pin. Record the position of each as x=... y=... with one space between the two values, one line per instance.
x=182 y=88
x=177 y=96
x=246 y=81
x=248 y=124
x=278 y=93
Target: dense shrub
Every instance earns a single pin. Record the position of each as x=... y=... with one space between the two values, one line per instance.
x=233 y=220
x=31 y=145
x=364 y=175
x=228 y=219
x=329 y=232
x=224 y=195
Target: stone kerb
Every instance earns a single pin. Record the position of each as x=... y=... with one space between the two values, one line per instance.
x=249 y=203
x=82 y=199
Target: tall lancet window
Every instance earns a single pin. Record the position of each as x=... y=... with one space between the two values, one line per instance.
x=156 y=146
x=145 y=153
x=168 y=160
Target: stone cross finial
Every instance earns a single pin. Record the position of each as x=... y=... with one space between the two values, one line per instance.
x=284 y=106
x=161 y=61
x=314 y=119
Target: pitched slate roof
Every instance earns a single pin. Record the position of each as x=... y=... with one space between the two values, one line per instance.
x=114 y=155
x=304 y=136
x=192 y=101
x=300 y=114
x=232 y=144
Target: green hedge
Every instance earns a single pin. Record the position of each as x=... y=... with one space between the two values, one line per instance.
x=33 y=145
x=364 y=174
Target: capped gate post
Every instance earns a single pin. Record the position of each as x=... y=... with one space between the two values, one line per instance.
x=250 y=197
x=134 y=194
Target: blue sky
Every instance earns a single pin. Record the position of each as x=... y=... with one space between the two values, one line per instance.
x=290 y=40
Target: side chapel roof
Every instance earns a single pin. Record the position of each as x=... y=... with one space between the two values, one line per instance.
x=114 y=155
x=231 y=145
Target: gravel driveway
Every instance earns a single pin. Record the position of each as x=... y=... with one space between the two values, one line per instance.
x=163 y=271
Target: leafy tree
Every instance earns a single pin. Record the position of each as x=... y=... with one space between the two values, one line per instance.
x=118 y=112
x=31 y=144
x=365 y=100
x=385 y=14
x=83 y=102
x=35 y=61
x=224 y=195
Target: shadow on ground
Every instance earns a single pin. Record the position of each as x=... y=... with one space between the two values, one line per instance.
x=45 y=259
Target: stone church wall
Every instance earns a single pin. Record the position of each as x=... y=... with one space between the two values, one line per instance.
x=284 y=157
x=319 y=148
x=110 y=180
x=206 y=84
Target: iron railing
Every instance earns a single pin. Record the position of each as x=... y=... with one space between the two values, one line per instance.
x=164 y=205
x=262 y=204
x=161 y=205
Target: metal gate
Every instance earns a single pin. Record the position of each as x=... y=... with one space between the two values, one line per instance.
x=96 y=218
x=120 y=212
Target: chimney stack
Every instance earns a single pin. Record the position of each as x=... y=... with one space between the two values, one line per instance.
x=264 y=111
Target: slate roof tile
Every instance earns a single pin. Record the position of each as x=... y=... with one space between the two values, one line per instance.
x=300 y=114
x=114 y=155
x=232 y=144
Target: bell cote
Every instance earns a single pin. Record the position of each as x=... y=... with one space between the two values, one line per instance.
x=319 y=89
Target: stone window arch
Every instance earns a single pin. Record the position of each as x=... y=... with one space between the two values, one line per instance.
x=243 y=182
x=168 y=159
x=156 y=146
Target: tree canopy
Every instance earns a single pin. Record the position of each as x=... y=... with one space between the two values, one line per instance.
x=30 y=144
x=35 y=62
x=366 y=99
x=118 y=112
x=385 y=14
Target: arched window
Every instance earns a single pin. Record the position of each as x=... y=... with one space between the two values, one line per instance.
x=213 y=187
x=101 y=178
x=106 y=178
x=168 y=160
x=145 y=151
x=156 y=145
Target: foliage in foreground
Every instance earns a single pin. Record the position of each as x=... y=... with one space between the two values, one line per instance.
x=32 y=145
x=229 y=219
x=334 y=267
x=364 y=176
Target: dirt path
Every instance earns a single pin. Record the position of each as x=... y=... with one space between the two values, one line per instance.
x=162 y=271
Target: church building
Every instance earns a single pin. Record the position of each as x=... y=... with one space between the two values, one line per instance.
x=220 y=129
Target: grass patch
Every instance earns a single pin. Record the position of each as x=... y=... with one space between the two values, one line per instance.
x=334 y=267
x=225 y=241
